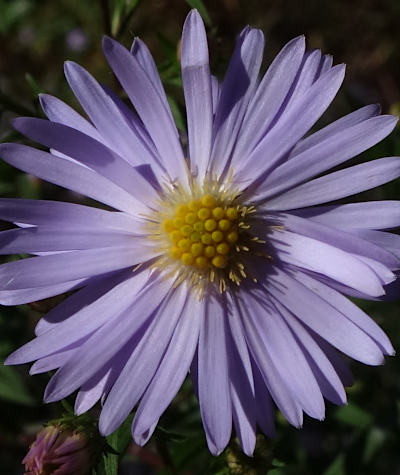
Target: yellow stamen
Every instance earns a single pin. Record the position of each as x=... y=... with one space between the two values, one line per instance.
x=187 y=258
x=203 y=213
x=208 y=200
x=210 y=224
x=204 y=236
x=218 y=213
x=219 y=261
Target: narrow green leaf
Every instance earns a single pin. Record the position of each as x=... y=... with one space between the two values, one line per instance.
x=122 y=11
x=67 y=406
x=354 y=416
x=199 y=5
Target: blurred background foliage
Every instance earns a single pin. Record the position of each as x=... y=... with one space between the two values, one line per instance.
x=36 y=36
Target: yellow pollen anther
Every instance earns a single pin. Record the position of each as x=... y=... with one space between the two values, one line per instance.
x=178 y=222
x=217 y=236
x=209 y=251
x=198 y=226
x=232 y=237
x=186 y=230
x=232 y=213
x=194 y=205
x=218 y=212
x=168 y=225
x=176 y=235
x=206 y=234
x=206 y=238
x=190 y=218
x=223 y=248
x=184 y=244
x=194 y=237
x=197 y=249
x=201 y=262
x=181 y=210
x=208 y=201
x=187 y=258
x=224 y=224
x=219 y=261
x=175 y=252
x=210 y=224
x=203 y=213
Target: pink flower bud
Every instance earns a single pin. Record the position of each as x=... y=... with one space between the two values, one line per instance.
x=58 y=451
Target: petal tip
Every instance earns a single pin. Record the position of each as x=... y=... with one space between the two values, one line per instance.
x=193 y=12
x=105 y=428
x=108 y=44
x=70 y=67
x=10 y=360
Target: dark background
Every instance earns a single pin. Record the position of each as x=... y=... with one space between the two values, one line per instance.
x=35 y=39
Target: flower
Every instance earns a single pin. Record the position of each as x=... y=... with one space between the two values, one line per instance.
x=58 y=451
x=224 y=262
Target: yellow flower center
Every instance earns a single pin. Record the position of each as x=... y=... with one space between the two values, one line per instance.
x=204 y=237
x=202 y=233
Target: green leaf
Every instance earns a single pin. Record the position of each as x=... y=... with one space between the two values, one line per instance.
x=117 y=442
x=67 y=406
x=336 y=467
x=354 y=416
x=121 y=13
x=199 y=5
x=12 y=387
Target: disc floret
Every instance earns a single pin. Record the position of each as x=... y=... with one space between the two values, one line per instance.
x=202 y=233
x=203 y=237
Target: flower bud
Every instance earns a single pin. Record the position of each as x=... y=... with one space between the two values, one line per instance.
x=58 y=451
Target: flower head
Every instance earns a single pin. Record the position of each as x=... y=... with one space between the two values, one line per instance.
x=223 y=262
x=58 y=451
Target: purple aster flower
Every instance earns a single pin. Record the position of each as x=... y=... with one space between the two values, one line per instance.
x=222 y=263
x=58 y=451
